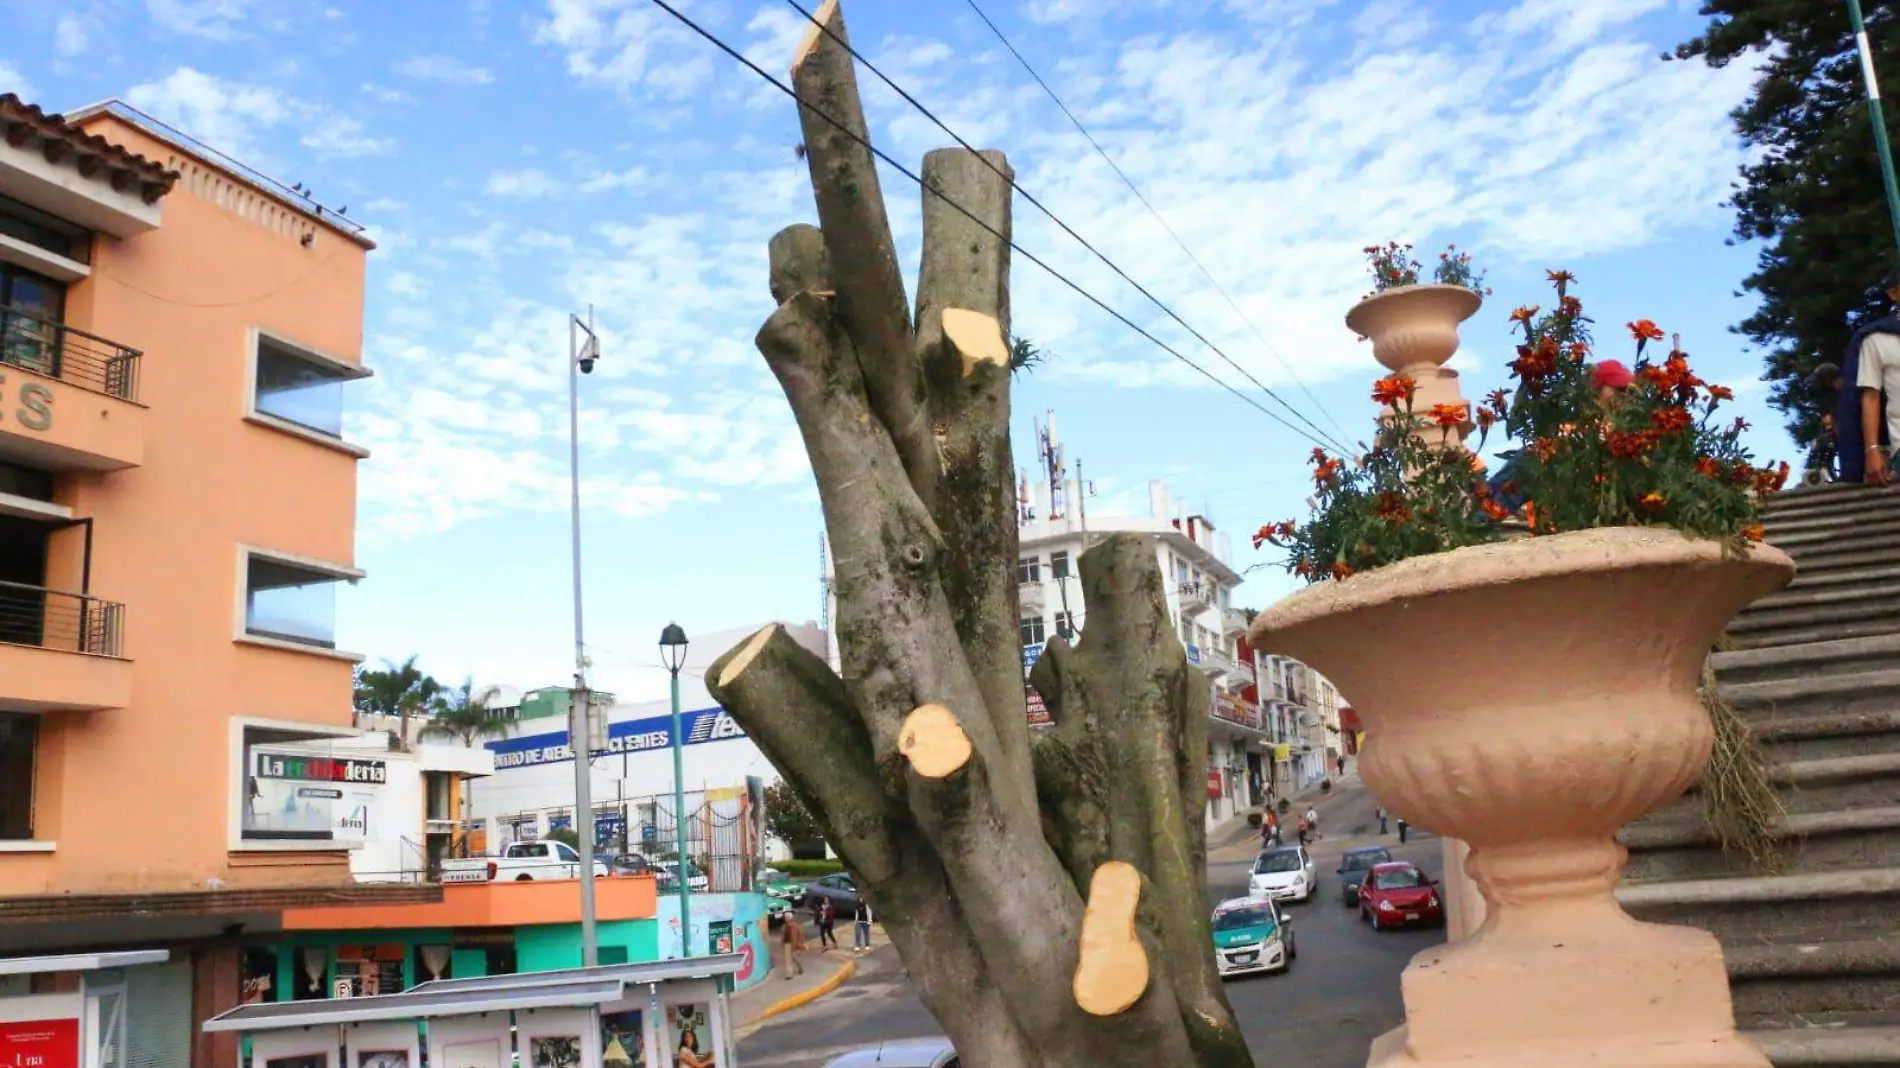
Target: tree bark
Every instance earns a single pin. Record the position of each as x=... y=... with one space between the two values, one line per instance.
x=1048 y=891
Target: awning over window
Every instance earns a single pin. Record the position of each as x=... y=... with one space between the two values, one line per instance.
x=82 y=962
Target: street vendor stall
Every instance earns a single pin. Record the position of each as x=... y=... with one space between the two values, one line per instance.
x=666 y=1013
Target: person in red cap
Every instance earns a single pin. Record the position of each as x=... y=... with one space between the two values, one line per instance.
x=1610 y=378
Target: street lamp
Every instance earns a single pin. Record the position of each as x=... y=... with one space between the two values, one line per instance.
x=673 y=654
x=581 y=356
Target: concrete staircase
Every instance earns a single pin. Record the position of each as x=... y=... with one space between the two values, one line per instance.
x=1813 y=953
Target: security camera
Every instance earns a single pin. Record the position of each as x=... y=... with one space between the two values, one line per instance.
x=587 y=364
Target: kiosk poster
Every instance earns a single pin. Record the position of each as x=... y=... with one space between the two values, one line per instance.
x=691 y=1033
x=719 y=937
x=623 y=1042
x=40 y=1044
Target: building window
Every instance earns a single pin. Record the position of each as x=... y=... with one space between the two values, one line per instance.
x=27 y=482
x=19 y=735
x=1028 y=570
x=1032 y=630
x=23 y=222
x=1065 y=626
x=289 y=601
x=301 y=387
x=1059 y=564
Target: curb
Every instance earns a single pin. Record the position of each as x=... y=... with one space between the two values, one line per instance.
x=806 y=997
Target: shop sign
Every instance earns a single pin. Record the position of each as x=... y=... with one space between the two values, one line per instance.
x=1038 y=713
x=1031 y=654
x=719 y=937
x=1235 y=709
x=627 y=736
x=40 y=1044
x=1214 y=778
x=269 y=765
x=1194 y=654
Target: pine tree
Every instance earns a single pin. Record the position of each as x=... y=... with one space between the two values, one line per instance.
x=1811 y=190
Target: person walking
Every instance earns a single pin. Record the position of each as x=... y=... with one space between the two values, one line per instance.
x=1872 y=366
x=1382 y=820
x=1402 y=826
x=1824 y=458
x=1269 y=830
x=791 y=938
x=1312 y=820
x=861 y=942
x=827 y=924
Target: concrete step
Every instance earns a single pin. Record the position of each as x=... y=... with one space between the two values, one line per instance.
x=1868 y=509
x=1797 y=498
x=1859 y=691
x=1808 y=660
x=1792 y=977
x=1809 y=609
x=1798 y=543
x=1826 y=735
x=1806 y=633
x=1821 y=784
x=1886 y=571
x=1845 y=554
x=1825 y=904
x=1885 y=592
x=1846 y=504
x=1811 y=842
x=1822 y=1047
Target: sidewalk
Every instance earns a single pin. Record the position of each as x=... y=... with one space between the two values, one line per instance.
x=824 y=973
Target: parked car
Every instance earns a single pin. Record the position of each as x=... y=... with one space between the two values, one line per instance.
x=1396 y=894
x=776 y=909
x=1284 y=874
x=1354 y=866
x=840 y=889
x=909 y=1053
x=1252 y=935
x=629 y=864
x=777 y=884
x=521 y=862
x=667 y=872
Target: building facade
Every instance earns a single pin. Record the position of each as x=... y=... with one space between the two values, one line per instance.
x=177 y=505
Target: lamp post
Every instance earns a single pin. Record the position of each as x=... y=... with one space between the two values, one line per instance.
x=673 y=653
x=580 y=360
x=1874 y=112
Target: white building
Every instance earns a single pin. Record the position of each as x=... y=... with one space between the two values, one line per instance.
x=532 y=790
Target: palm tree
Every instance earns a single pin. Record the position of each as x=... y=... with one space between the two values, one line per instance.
x=399 y=690
x=461 y=714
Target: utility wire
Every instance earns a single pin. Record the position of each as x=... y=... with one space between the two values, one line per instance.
x=1119 y=173
x=735 y=54
x=1067 y=229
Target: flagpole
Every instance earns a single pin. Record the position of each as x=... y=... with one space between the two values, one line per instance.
x=1879 y=120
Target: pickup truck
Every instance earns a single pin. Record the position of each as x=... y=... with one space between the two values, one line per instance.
x=522 y=861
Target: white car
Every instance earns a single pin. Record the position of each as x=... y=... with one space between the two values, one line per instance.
x=1283 y=874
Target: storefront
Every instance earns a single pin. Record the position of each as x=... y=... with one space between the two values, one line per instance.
x=95 y=1010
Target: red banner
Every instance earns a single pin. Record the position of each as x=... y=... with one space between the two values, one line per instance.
x=39 y=1044
x=1214 y=783
x=1235 y=709
x=1038 y=715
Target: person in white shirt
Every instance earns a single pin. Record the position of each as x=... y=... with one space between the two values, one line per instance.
x=1876 y=364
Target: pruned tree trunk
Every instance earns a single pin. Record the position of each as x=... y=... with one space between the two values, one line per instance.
x=1047 y=891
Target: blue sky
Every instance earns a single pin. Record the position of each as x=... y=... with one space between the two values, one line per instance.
x=518 y=160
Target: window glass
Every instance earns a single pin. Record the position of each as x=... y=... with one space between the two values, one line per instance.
x=19 y=734
x=290 y=603
x=1033 y=630
x=1029 y=569
x=299 y=390
x=1059 y=564
x=26 y=223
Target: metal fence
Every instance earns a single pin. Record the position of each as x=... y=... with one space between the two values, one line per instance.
x=55 y=619
x=31 y=341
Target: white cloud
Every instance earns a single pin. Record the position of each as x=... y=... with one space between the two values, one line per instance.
x=69 y=35
x=12 y=81
x=624 y=45
x=444 y=69
x=383 y=94
x=215 y=19
x=608 y=180
x=337 y=137
x=529 y=183
x=232 y=117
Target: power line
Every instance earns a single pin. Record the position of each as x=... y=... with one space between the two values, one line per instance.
x=968 y=214
x=1067 y=229
x=1119 y=173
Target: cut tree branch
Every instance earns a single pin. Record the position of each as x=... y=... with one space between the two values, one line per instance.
x=857 y=231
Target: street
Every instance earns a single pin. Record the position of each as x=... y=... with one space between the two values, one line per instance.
x=1341 y=993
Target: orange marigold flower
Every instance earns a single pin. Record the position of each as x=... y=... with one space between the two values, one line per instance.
x=1304 y=569
x=1707 y=467
x=1653 y=499
x=1545 y=448
x=1630 y=445
x=1753 y=532
x=1536 y=362
x=1645 y=330
x=1577 y=351
x=1771 y=479
x=1671 y=420
x=1394 y=391
x=1451 y=415
x=1524 y=314
x=1392 y=507
x=1721 y=393
x=1274 y=532
x=1570 y=307
x=1342 y=570
x=1559 y=277
x=1486 y=418
x=1493 y=509
x=1325 y=470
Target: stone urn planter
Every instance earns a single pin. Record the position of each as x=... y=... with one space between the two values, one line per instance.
x=1414 y=330
x=1531 y=697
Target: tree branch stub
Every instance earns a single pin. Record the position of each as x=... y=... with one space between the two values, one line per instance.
x=1113 y=971
x=934 y=742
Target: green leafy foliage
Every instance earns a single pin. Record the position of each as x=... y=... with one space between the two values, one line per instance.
x=787 y=817
x=808 y=869
x=1810 y=192
x=1594 y=452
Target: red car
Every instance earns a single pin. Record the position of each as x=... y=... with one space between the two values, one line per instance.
x=1396 y=894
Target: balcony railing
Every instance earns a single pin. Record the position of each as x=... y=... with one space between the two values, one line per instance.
x=31 y=341
x=55 y=619
x=1198 y=596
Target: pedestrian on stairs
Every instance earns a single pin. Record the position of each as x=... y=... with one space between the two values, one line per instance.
x=1872 y=367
